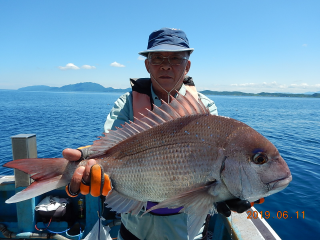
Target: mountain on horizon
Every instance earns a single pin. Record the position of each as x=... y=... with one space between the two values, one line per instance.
x=78 y=87
x=310 y=93
x=95 y=87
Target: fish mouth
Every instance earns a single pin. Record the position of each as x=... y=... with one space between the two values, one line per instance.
x=279 y=184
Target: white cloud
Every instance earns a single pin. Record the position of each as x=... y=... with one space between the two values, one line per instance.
x=254 y=85
x=264 y=84
x=302 y=85
x=243 y=84
x=141 y=58
x=247 y=84
x=69 y=66
x=115 y=64
x=304 y=45
x=88 y=67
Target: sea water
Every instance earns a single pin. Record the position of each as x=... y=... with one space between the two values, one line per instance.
x=62 y=120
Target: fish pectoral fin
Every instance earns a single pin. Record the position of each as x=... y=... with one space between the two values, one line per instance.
x=197 y=203
x=192 y=201
x=123 y=204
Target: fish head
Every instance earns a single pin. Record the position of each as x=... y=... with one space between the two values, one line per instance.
x=253 y=167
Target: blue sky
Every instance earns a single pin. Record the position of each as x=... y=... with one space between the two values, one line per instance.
x=248 y=45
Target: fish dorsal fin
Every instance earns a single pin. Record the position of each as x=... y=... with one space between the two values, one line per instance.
x=155 y=117
x=195 y=103
x=170 y=110
x=187 y=104
x=161 y=113
x=180 y=106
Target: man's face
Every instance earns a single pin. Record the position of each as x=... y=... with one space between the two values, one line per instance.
x=166 y=74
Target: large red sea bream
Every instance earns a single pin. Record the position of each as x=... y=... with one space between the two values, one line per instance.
x=178 y=155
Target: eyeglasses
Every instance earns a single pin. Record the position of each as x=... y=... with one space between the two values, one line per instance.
x=157 y=59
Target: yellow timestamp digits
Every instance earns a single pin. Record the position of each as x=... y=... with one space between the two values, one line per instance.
x=266 y=215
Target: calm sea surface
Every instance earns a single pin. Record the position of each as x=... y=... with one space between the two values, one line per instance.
x=62 y=120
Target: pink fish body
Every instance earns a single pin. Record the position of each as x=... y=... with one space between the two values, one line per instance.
x=178 y=155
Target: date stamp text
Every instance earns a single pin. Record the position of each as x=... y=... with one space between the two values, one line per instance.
x=279 y=215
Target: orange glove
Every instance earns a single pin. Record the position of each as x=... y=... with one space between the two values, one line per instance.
x=100 y=183
x=260 y=201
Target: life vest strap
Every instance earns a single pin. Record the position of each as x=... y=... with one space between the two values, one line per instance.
x=140 y=104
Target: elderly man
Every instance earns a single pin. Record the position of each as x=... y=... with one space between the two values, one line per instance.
x=167 y=63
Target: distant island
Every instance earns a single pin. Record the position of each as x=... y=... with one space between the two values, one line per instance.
x=95 y=87
x=78 y=87
x=262 y=94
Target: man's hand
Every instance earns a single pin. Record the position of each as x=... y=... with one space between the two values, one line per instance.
x=71 y=154
x=236 y=205
x=89 y=179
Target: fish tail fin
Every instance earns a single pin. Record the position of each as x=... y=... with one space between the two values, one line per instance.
x=38 y=188
x=47 y=174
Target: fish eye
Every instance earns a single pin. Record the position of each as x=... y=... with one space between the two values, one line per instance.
x=260 y=158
